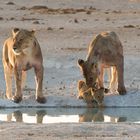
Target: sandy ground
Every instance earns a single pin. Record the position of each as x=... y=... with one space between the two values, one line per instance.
x=64 y=30
x=81 y=131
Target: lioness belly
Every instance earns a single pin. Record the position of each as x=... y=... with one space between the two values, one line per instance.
x=27 y=66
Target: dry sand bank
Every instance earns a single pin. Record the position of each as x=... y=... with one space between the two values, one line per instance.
x=84 y=131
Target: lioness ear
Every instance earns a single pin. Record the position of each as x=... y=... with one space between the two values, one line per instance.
x=32 y=32
x=80 y=84
x=15 y=31
x=92 y=91
x=80 y=62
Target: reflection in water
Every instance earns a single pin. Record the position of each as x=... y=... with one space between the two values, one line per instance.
x=92 y=115
x=39 y=116
x=18 y=116
x=59 y=115
x=97 y=115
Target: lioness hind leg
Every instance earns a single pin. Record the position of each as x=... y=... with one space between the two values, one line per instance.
x=113 y=80
x=8 y=79
x=120 y=72
x=39 y=83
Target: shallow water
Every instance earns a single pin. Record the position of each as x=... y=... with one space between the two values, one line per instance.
x=61 y=115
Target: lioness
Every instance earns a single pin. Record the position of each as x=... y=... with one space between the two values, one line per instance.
x=89 y=94
x=105 y=51
x=21 y=52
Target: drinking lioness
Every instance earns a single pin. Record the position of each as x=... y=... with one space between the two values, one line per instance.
x=105 y=51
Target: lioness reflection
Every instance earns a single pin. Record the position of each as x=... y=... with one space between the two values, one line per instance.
x=90 y=115
x=84 y=115
x=96 y=115
x=18 y=116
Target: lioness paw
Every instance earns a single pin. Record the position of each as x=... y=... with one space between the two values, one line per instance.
x=41 y=100
x=122 y=91
x=80 y=97
x=17 y=99
x=106 y=90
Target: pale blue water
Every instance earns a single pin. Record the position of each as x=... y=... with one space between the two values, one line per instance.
x=61 y=115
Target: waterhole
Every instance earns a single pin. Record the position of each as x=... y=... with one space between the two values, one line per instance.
x=71 y=115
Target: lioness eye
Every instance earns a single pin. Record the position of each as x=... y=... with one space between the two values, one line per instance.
x=21 y=39
x=95 y=66
x=91 y=78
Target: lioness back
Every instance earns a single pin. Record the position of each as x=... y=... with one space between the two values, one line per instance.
x=105 y=43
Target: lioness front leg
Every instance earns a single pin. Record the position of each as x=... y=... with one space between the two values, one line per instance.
x=39 y=81
x=8 y=80
x=120 y=72
x=18 y=79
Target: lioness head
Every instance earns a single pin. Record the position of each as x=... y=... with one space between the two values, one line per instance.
x=87 y=96
x=98 y=95
x=84 y=92
x=90 y=94
x=90 y=72
x=22 y=39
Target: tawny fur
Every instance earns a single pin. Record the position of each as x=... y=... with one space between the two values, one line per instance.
x=22 y=52
x=90 y=94
x=105 y=51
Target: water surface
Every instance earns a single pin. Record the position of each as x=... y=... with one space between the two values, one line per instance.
x=61 y=115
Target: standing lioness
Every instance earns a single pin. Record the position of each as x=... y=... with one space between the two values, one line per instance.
x=21 y=52
x=105 y=51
